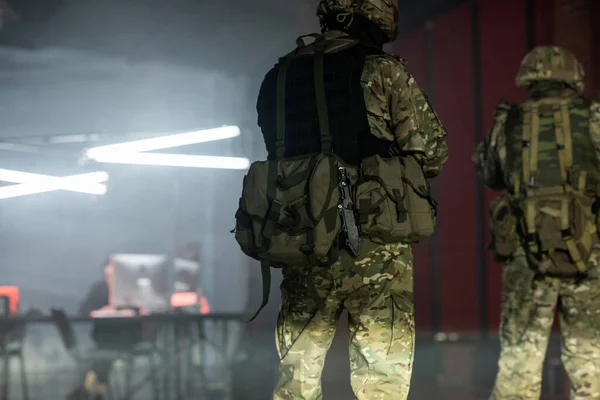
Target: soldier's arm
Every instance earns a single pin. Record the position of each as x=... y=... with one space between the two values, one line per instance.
x=491 y=152
x=398 y=110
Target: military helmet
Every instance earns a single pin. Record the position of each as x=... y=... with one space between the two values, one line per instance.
x=384 y=13
x=551 y=63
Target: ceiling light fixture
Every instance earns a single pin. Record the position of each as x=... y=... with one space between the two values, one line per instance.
x=135 y=152
x=167 y=142
x=29 y=183
x=175 y=160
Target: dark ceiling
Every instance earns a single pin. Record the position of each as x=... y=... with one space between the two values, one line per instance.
x=238 y=38
x=179 y=30
x=230 y=34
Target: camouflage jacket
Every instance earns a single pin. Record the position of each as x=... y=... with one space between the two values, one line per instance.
x=399 y=110
x=498 y=157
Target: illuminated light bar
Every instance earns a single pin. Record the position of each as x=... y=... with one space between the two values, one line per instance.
x=84 y=183
x=174 y=160
x=34 y=183
x=166 y=142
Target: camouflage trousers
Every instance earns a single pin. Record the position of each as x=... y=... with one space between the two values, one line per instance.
x=377 y=291
x=528 y=309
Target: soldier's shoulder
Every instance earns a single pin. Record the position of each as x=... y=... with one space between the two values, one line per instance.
x=386 y=65
x=389 y=60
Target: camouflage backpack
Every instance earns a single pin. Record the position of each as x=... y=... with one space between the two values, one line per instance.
x=552 y=170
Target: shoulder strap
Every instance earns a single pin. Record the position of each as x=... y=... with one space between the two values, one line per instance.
x=321 y=100
x=530 y=163
x=531 y=131
x=280 y=108
x=564 y=145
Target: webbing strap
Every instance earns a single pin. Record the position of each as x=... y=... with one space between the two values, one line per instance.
x=265 y=270
x=267 y=234
x=534 y=148
x=274 y=210
x=526 y=146
x=582 y=181
x=280 y=107
x=568 y=238
x=530 y=214
x=564 y=214
x=321 y=99
x=566 y=123
x=559 y=131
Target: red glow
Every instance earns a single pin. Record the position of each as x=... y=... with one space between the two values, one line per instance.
x=12 y=292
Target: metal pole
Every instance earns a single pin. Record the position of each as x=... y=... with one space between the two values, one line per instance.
x=530 y=21
x=434 y=259
x=482 y=275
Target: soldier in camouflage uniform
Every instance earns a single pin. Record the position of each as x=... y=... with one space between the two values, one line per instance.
x=567 y=140
x=376 y=287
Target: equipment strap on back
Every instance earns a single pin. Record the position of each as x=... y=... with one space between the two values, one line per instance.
x=321 y=99
x=530 y=165
x=564 y=147
x=326 y=139
x=272 y=179
x=265 y=270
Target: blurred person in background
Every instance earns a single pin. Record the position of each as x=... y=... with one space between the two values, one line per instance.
x=188 y=279
x=106 y=336
x=543 y=155
x=97 y=298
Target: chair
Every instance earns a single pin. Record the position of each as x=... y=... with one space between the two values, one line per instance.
x=144 y=347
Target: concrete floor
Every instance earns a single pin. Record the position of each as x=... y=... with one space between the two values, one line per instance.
x=462 y=370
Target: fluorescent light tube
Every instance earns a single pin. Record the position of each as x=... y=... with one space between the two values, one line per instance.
x=36 y=183
x=174 y=160
x=166 y=142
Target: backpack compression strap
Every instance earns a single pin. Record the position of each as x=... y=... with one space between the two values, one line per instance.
x=530 y=164
x=326 y=140
x=273 y=214
x=530 y=156
x=564 y=146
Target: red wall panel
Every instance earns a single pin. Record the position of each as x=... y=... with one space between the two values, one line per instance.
x=501 y=52
x=413 y=48
x=544 y=22
x=573 y=29
x=453 y=101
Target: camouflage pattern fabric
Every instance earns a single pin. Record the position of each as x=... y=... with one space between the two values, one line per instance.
x=528 y=309
x=384 y=13
x=377 y=291
x=554 y=63
x=394 y=99
x=498 y=158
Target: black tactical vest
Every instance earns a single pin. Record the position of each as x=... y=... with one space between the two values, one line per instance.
x=351 y=135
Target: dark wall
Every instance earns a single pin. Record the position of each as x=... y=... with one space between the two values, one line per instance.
x=472 y=54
